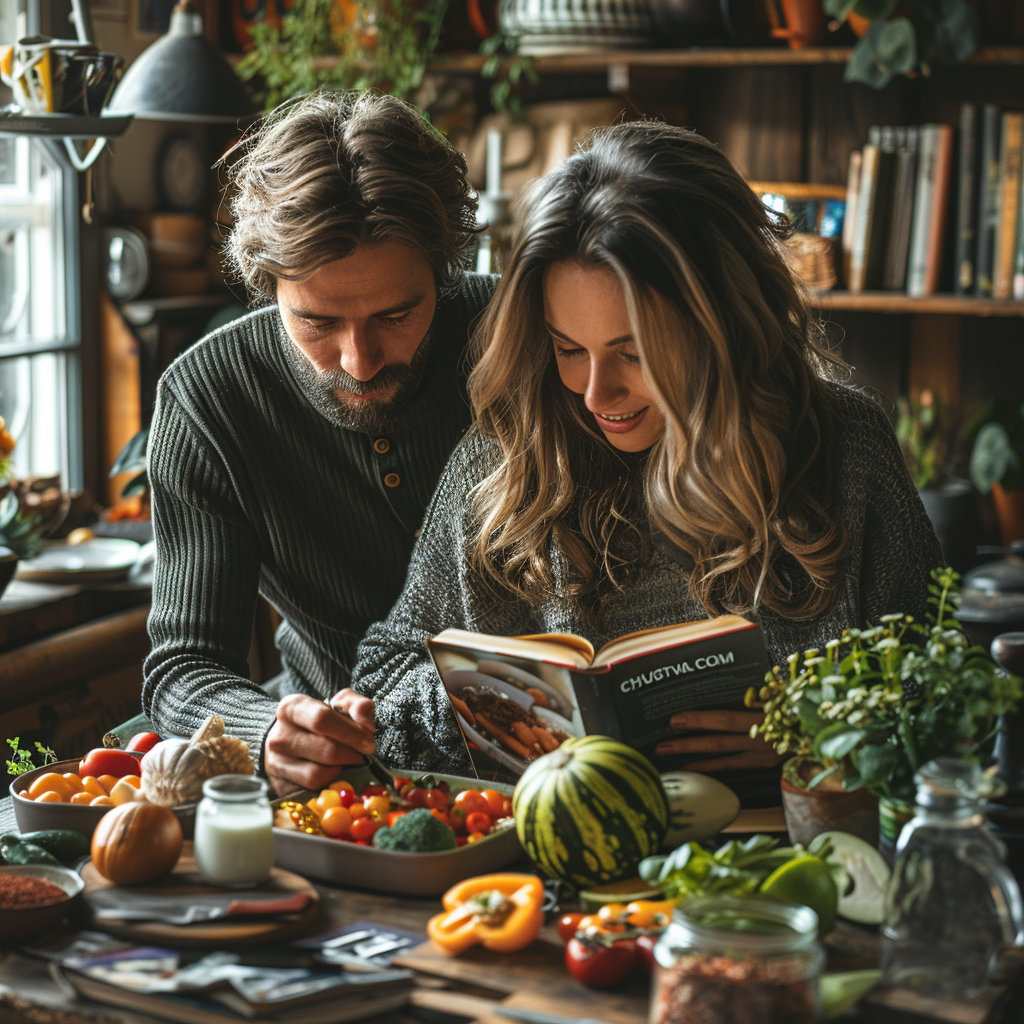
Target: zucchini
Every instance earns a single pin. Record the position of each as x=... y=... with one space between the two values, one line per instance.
x=66 y=846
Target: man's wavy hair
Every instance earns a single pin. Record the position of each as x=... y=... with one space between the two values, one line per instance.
x=742 y=479
x=328 y=172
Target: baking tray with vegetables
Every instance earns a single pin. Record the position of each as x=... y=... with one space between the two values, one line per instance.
x=417 y=838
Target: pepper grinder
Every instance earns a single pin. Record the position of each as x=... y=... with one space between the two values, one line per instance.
x=1006 y=813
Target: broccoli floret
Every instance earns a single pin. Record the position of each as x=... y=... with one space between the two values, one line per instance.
x=416 y=832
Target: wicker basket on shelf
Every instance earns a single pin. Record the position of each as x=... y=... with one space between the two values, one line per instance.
x=812 y=259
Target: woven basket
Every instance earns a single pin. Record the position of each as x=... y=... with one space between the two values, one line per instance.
x=565 y=26
x=812 y=259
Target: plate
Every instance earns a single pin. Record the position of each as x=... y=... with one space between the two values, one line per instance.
x=411 y=874
x=99 y=560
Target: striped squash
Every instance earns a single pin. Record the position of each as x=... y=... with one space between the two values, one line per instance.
x=590 y=811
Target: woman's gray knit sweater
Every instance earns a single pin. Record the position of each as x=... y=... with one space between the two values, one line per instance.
x=892 y=548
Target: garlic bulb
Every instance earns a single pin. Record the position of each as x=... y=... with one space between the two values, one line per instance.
x=174 y=771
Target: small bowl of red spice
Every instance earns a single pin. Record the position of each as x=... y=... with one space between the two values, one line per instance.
x=34 y=897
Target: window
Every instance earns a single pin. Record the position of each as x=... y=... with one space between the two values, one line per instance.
x=40 y=393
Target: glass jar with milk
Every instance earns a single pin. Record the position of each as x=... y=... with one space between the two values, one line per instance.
x=234 y=841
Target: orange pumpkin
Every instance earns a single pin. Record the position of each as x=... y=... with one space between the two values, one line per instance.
x=136 y=843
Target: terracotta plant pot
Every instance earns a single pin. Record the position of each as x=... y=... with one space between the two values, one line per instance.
x=1009 y=507
x=809 y=812
x=802 y=23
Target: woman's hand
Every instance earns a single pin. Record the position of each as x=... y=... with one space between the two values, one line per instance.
x=728 y=743
x=309 y=742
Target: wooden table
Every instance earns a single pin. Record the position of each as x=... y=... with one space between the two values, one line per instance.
x=471 y=985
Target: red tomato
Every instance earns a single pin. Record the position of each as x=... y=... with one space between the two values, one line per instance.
x=363 y=829
x=102 y=761
x=495 y=802
x=417 y=796
x=506 y=808
x=601 y=966
x=361 y=842
x=394 y=816
x=567 y=926
x=461 y=840
x=345 y=798
x=444 y=787
x=435 y=800
x=143 y=741
x=470 y=800
x=401 y=782
x=374 y=789
x=478 y=821
x=442 y=816
x=457 y=819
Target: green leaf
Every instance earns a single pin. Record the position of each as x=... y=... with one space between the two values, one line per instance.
x=863 y=65
x=839 y=9
x=896 y=49
x=838 y=745
x=8 y=510
x=133 y=454
x=137 y=485
x=874 y=10
x=991 y=457
x=956 y=34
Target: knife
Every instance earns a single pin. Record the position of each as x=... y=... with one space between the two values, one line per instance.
x=199 y=914
x=534 y=1017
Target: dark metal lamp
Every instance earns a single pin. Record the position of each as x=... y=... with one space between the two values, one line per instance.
x=182 y=77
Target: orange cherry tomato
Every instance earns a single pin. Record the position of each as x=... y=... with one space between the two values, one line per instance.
x=74 y=783
x=343 y=786
x=475 y=837
x=51 y=796
x=49 y=782
x=357 y=810
x=442 y=816
x=470 y=801
x=336 y=822
x=90 y=784
x=327 y=799
x=495 y=802
x=363 y=829
x=108 y=782
x=478 y=821
x=101 y=801
x=377 y=806
x=85 y=797
x=394 y=816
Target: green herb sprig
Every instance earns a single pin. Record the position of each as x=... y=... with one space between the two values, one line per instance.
x=22 y=762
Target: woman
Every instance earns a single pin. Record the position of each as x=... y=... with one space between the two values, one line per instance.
x=657 y=439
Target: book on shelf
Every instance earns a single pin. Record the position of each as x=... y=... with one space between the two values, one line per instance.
x=1018 y=263
x=1011 y=132
x=966 y=205
x=850 y=217
x=866 y=194
x=930 y=204
x=516 y=698
x=898 y=244
x=988 y=200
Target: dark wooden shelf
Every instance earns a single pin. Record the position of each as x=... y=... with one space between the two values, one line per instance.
x=895 y=302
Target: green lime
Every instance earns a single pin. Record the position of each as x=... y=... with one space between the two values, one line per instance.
x=807 y=881
x=592 y=900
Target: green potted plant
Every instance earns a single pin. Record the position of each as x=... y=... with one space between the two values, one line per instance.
x=998 y=433
x=880 y=702
x=905 y=37
x=927 y=427
x=20 y=536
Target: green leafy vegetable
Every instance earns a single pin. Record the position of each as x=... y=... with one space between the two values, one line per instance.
x=22 y=762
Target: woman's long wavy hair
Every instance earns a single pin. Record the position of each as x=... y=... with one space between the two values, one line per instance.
x=741 y=480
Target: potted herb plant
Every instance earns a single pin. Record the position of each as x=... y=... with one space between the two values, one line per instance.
x=998 y=432
x=905 y=37
x=881 y=702
x=928 y=428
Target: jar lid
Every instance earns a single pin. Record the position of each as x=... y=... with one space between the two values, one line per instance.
x=753 y=925
x=234 y=788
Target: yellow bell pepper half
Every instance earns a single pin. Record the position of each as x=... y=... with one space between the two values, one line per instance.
x=500 y=912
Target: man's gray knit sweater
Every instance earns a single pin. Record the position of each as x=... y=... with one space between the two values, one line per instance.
x=253 y=488
x=892 y=548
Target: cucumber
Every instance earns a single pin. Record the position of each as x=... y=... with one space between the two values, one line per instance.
x=14 y=850
x=68 y=847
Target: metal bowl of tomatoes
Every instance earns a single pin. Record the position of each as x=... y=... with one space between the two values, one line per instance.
x=359 y=864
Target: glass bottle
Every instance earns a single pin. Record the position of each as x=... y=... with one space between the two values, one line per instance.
x=234 y=839
x=951 y=903
x=723 y=960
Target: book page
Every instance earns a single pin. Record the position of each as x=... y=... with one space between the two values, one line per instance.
x=633 y=645
x=511 y=707
x=553 y=648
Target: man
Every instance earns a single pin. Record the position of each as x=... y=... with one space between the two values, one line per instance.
x=294 y=451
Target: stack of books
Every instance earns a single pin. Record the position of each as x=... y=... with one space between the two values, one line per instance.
x=918 y=196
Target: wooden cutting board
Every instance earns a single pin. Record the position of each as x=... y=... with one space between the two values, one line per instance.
x=184 y=882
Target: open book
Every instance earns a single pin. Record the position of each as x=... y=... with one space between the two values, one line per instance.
x=516 y=698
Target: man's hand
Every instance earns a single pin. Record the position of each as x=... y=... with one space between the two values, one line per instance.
x=309 y=742
x=728 y=743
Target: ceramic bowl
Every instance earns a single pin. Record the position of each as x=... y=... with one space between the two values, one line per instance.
x=37 y=817
x=28 y=922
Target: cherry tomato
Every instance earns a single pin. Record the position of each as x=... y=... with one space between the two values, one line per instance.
x=442 y=816
x=346 y=797
x=475 y=837
x=357 y=810
x=343 y=785
x=600 y=965
x=143 y=741
x=417 y=796
x=336 y=822
x=567 y=926
x=613 y=917
x=459 y=840
x=645 y=951
x=374 y=789
x=478 y=821
x=361 y=842
x=401 y=782
x=435 y=799
x=102 y=761
x=443 y=787
x=363 y=828
x=457 y=819
x=470 y=800
x=377 y=806
x=394 y=816
x=495 y=802
x=406 y=790
x=327 y=799
x=506 y=808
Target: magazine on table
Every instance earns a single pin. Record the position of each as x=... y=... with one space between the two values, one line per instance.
x=517 y=698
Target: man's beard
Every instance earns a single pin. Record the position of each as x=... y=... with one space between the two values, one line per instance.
x=366 y=415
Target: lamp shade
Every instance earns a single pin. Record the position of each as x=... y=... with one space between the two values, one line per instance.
x=182 y=77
